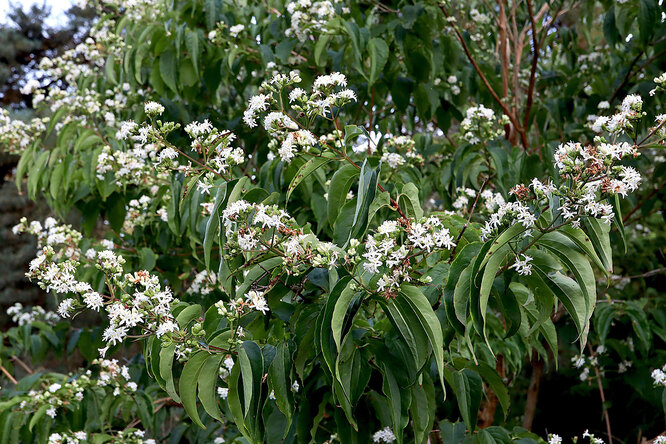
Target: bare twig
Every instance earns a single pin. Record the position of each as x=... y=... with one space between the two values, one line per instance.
x=9 y=375
x=603 y=400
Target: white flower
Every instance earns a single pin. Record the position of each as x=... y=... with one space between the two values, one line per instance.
x=236 y=29
x=384 y=435
x=153 y=109
x=93 y=300
x=223 y=392
x=51 y=411
x=554 y=439
x=66 y=307
x=523 y=267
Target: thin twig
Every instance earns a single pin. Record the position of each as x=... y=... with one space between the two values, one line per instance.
x=637 y=207
x=471 y=212
x=535 y=59
x=485 y=81
x=9 y=375
x=603 y=400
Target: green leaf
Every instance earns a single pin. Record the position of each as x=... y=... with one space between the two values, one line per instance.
x=210 y=10
x=147 y=258
x=278 y=380
x=489 y=273
x=188 y=314
x=165 y=370
x=213 y=223
x=325 y=334
x=193 y=44
x=320 y=49
x=430 y=323
x=468 y=388
x=168 y=67
x=338 y=189
x=351 y=134
x=458 y=266
x=566 y=250
x=310 y=167
x=367 y=187
x=584 y=244
x=340 y=314
x=398 y=398
x=251 y=362
x=647 y=19
x=599 y=235
x=207 y=384
x=188 y=385
x=379 y=53
x=567 y=291
x=408 y=199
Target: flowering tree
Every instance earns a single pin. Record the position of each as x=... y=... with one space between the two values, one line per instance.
x=339 y=221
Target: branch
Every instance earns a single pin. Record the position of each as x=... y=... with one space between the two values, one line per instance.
x=603 y=400
x=535 y=59
x=504 y=107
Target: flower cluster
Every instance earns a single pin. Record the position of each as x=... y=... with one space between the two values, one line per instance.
x=60 y=394
x=389 y=252
x=481 y=126
x=630 y=111
x=27 y=315
x=291 y=133
x=16 y=135
x=400 y=150
x=63 y=237
x=309 y=18
x=508 y=213
x=384 y=435
x=254 y=228
x=659 y=376
x=127 y=436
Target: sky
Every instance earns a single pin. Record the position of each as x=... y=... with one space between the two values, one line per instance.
x=58 y=7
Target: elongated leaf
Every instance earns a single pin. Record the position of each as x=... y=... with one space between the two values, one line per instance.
x=341 y=182
x=251 y=363
x=489 y=272
x=188 y=385
x=213 y=223
x=599 y=235
x=569 y=293
x=379 y=53
x=324 y=333
x=306 y=170
x=468 y=388
x=565 y=249
x=168 y=70
x=165 y=370
x=339 y=314
x=584 y=244
x=207 y=383
x=188 y=314
x=193 y=43
x=430 y=323
x=278 y=380
x=460 y=263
